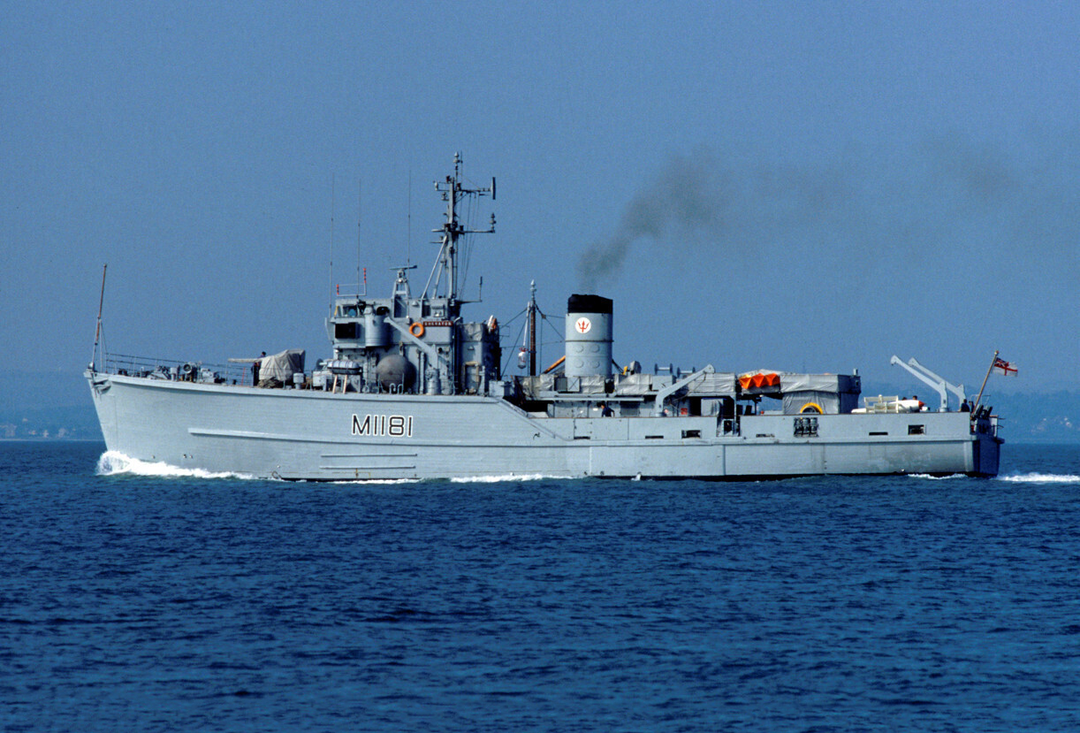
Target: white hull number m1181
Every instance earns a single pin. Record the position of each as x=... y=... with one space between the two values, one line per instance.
x=394 y=426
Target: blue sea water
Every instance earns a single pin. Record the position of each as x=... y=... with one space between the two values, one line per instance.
x=180 y=603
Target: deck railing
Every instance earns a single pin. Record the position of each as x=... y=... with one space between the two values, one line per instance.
x=176 y=370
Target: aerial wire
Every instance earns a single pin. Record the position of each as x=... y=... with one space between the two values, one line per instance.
x=360 y=220
x=331 y=289
x=408 y=225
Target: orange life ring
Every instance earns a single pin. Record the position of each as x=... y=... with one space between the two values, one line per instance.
x=812 y=407
x=417 y=330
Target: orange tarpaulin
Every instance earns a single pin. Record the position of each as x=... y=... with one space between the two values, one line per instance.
x=760 y=378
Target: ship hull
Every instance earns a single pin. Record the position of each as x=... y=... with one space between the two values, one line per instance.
x=312 y=435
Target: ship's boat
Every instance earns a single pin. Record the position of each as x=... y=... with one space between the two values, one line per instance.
x=414 y=391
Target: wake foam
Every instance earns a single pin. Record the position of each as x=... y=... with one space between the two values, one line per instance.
x=113 y=463
x=928 y=477
x=1042 y=478
x=500 y=478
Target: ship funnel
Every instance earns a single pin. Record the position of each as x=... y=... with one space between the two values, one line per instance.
x=588 y=336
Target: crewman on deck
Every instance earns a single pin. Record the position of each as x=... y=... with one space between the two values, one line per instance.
x=255 y=370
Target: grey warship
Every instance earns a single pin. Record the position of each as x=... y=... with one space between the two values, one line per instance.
x=412 y=391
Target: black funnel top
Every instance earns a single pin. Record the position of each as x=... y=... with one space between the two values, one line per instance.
x=588 y=304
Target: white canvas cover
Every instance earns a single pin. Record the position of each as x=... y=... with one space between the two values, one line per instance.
x=836 y=383
x=278 y=369
x=717 y=383
x=832 y=393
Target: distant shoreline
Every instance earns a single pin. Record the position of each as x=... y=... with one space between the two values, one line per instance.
x=52 y=440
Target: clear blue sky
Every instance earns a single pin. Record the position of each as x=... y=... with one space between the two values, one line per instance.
x=802 y=186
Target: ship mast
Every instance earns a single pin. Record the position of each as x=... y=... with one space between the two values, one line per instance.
x=532 y=329
x=101 y=305
x=453 y=191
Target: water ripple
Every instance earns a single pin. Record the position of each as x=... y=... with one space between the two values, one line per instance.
x=174 y=601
